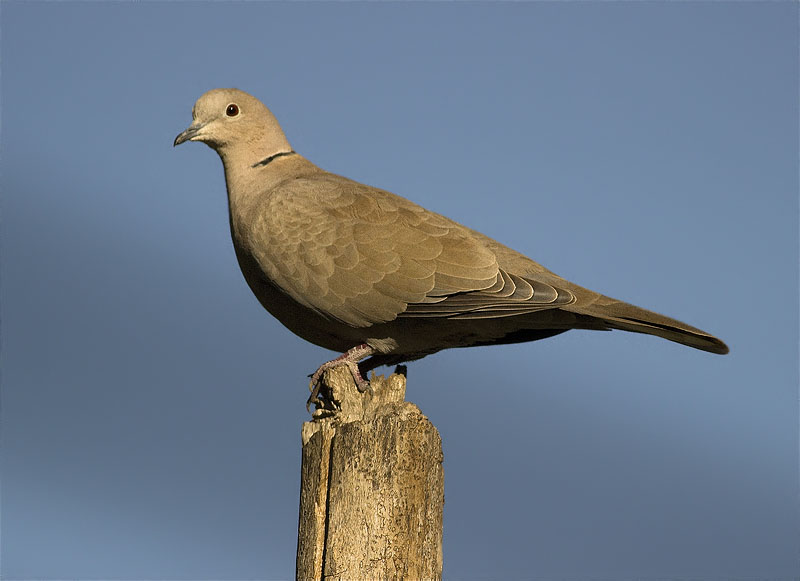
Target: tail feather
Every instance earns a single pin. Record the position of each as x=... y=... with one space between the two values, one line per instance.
x=626 y=317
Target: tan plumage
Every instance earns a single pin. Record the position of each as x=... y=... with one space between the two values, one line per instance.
x=346 y=265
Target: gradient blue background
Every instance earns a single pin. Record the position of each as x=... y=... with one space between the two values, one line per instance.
x=151 y=410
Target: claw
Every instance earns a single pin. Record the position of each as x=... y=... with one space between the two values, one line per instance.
x=350 y=359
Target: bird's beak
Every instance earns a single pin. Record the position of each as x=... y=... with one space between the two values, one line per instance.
x=190 y=134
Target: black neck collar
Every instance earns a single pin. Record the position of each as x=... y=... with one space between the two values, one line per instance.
x=266 y=160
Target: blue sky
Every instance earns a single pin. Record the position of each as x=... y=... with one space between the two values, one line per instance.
x=151 y=410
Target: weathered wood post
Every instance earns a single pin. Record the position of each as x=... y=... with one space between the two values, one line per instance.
x=372 y=488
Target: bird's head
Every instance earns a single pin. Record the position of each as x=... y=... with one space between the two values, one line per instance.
x=229 y=120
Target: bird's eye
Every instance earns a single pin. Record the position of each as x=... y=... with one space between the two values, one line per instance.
x=232 y=110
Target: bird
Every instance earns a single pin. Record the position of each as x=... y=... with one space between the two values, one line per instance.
x=376 y=277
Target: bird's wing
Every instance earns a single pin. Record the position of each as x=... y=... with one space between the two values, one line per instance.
x=364 y=256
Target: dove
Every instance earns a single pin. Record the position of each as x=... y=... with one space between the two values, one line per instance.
x=367 y=273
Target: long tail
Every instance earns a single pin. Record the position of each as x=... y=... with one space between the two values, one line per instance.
x=619 y=315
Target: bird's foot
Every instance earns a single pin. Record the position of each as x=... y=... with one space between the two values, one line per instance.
x=350 y=359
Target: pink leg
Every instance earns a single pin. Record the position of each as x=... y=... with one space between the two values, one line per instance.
x=350 y=359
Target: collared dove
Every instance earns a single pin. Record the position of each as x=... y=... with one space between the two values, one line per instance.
x=365 y=272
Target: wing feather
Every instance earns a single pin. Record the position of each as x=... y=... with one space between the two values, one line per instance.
x=364 y=256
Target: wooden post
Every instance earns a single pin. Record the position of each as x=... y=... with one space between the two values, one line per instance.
x=372 y=488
